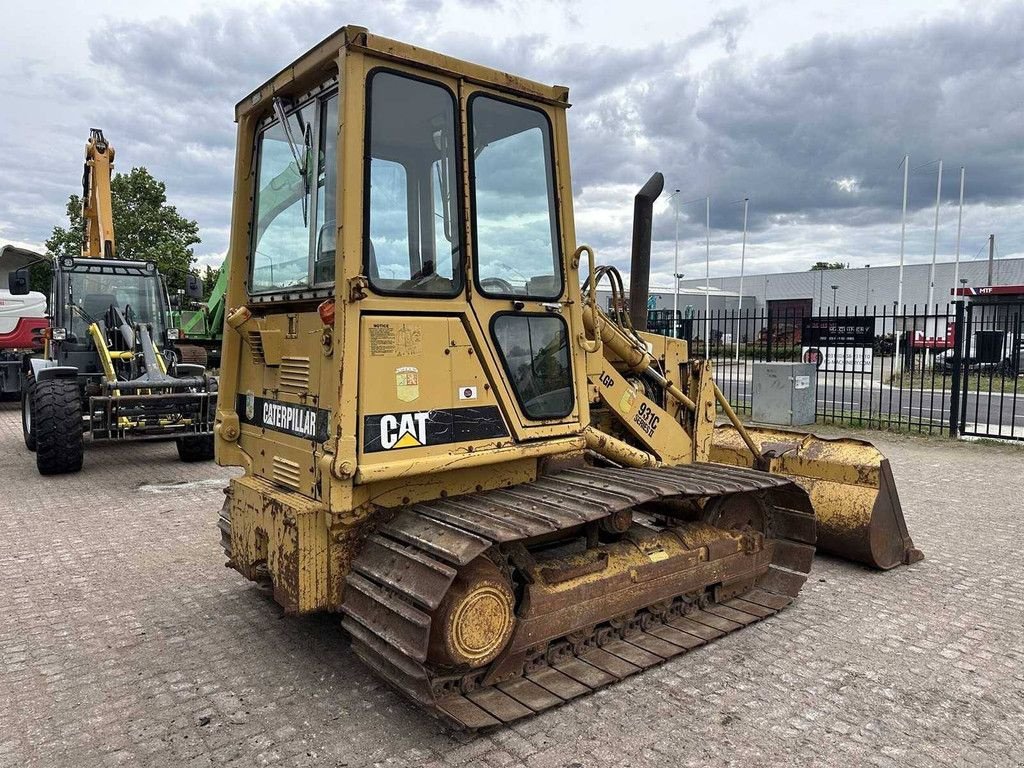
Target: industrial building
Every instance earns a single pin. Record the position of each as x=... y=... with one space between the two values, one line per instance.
x=811 y=291
x=783 y=299
x=834 y=289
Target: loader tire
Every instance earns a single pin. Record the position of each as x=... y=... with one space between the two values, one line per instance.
x=27 y=395
x=57 y=426
x=195 y=448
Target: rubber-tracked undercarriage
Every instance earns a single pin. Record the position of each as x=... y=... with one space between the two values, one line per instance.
x=505 y=492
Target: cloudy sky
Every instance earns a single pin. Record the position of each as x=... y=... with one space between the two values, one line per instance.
x=804 y=107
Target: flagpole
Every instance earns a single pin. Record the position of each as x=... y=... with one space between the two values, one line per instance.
x=903 y=238
x=935 y=239
x=707 y=276
x=743 y=258
x=959 y=227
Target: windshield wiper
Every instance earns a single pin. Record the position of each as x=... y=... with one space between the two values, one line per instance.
x=301 y=158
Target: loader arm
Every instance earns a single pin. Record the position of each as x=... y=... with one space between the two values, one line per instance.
x=215 y=304
x=849 y=481
x=209 y=322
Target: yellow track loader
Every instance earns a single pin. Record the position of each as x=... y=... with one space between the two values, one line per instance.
x=510 y=497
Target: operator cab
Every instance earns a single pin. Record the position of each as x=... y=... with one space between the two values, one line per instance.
x=117 y=296
x=459 y=215
x=401 y=266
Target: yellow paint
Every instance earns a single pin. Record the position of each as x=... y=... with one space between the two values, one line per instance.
x=103 y=353
x=408 y=441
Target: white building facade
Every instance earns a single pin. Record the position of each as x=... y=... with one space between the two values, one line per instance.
x=855 y=287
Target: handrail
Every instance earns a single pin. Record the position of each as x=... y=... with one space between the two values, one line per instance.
x=590 y=346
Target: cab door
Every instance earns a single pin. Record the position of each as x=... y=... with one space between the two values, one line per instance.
x=518 y=282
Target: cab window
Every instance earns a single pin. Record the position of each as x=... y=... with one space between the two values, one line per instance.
x=96 y=293
x=535 y=352
x=324 y=248
x=412 y=233
x=296 y=192
x=516 y=234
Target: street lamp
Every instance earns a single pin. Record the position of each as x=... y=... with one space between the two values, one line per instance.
x=867 y=290
x=743 y=258
x=707 y=276
x=707 y=200
x=834 y=289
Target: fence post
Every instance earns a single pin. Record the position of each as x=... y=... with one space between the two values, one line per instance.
x=958 y=356
x=768 y=344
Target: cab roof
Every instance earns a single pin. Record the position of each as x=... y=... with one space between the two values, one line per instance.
x=320 y=60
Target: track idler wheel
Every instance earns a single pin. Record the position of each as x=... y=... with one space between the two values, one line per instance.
x=475 y=620
x=740 y=512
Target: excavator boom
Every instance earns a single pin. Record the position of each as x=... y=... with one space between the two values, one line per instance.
x=97 y=210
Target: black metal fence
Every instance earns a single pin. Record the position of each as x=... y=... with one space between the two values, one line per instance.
x=990 y=371
x=953 y=370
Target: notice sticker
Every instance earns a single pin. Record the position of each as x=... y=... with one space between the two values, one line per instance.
x=467 y=393
x=802 y=382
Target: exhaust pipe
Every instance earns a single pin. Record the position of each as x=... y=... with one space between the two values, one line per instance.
x=640 y=262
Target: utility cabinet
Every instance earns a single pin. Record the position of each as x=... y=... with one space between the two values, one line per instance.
x=784 y=393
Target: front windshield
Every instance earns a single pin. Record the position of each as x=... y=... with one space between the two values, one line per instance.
x=138 y=297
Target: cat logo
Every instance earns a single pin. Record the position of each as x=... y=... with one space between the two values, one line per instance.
x=404 y=430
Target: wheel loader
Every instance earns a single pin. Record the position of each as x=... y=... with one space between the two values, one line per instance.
x=510 y=497
x=108 y=368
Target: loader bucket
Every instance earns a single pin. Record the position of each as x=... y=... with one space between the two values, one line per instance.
x=850 y=484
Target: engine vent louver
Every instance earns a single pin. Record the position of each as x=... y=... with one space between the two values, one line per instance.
x=286 y=473
x=293 y=375
x=256 y=346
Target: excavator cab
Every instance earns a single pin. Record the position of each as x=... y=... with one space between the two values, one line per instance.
x=505 y=492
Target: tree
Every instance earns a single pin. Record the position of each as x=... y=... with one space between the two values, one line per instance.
x=821 y=265
x=145 y=227
x=39 y=277
x=210 y=277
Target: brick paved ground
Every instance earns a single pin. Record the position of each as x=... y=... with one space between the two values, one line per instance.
x=124 y=640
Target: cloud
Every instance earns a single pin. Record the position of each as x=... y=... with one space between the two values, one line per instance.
x=729 y=25
x=812 y=134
